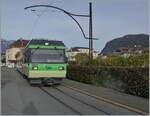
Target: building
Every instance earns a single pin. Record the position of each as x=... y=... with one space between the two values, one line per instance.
x=128 y=51
x=72 y=52
x=13 y=49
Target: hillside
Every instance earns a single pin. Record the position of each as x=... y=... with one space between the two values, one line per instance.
x=127 y=41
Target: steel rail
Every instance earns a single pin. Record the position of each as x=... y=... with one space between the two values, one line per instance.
x=48 y=93
x=107 y=100
x=81 y=101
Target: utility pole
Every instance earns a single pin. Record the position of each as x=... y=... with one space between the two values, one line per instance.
x=90 y=33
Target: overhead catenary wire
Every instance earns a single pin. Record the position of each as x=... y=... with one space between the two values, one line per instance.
x=37 y=20
x=66 y=12
x=33 y=27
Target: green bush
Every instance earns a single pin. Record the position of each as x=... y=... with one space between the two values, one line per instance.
x=134 y=60
x=81 y=58
x=130 y=80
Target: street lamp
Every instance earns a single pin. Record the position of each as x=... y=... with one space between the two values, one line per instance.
x=71 y=15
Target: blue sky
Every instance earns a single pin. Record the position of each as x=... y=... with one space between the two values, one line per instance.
x=111 y=19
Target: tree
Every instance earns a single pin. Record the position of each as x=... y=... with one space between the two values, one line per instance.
x=81 y=58
x=3 y=60
x=18 y=56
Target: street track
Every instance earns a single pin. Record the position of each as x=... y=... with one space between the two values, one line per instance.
x=62 y=102
x=44 y=89
x=106 y=100
x=81 y=101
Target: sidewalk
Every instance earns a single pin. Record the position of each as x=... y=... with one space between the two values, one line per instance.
x=129 y=100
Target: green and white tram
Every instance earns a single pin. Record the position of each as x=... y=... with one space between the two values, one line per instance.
x=44 y=62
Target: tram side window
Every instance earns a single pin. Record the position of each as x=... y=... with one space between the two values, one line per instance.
x=27 y=56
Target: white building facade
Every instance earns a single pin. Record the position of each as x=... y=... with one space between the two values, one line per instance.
x=72 y=52
x=13 y=49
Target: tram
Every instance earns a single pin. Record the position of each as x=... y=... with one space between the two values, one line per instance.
x=44 y=62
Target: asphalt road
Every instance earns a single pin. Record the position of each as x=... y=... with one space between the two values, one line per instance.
x=19 y=98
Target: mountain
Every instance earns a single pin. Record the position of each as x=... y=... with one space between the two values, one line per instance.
x=4 y=45
x=127 y=41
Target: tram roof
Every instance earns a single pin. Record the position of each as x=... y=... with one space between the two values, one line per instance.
x=43 y=41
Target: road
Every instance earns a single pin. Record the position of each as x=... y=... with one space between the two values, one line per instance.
x=19 y=98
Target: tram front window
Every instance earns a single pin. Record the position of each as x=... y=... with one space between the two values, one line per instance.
x=47 y=56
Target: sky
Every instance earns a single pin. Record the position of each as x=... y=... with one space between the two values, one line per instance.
x=111 y=19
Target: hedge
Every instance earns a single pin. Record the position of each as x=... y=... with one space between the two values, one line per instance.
x=130 y=80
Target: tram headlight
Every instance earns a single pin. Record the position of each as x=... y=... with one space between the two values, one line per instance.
x=35 y=68
x=61 y=68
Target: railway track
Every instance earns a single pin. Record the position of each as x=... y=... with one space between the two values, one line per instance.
x=93 y=106
x=81 y=101
x=62 y=102
x=139 y=111
x=48 y=92
x=44 y=89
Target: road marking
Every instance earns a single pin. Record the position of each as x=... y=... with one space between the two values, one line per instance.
x=108 y=100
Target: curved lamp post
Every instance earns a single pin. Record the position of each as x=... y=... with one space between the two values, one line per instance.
x=71 y=15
